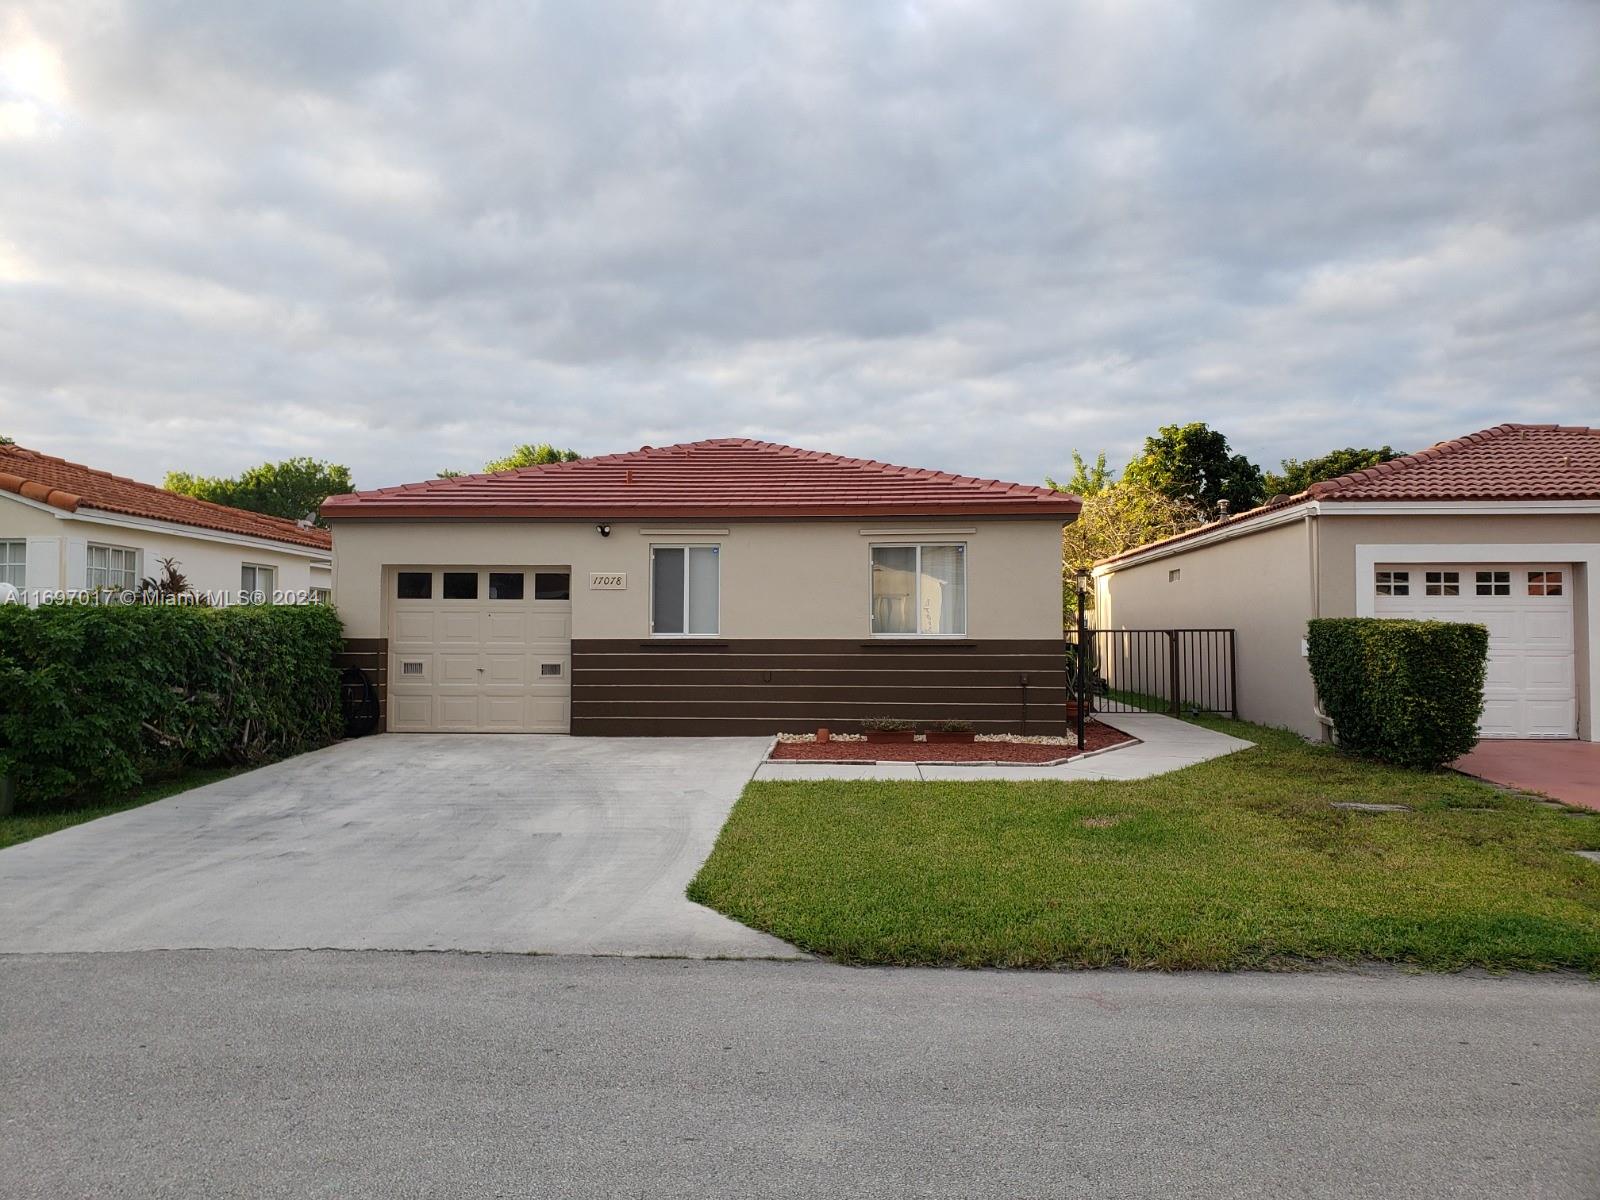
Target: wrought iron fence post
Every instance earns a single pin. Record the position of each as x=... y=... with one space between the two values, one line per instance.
x=1080 y=669
x=1173 y=668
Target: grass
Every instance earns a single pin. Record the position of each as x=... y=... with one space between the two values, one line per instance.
x=36 y=821
x=1234 y=863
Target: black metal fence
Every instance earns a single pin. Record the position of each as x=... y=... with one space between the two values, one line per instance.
x=1155 y=670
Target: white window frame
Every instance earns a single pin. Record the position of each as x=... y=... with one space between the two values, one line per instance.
x=247 y=593
x=134 y=555
x=966 y=583
x=14 y=562
x=650 y=616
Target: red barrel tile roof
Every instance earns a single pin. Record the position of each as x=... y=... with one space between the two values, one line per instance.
x=1507 y=462
x=72 y=487
x=721 y=477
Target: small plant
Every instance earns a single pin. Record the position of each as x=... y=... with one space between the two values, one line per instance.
x=954 y=726
x=888 y=725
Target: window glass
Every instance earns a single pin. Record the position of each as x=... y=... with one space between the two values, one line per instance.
x=894 y=589
x=684 y=584
x=321 y=596
x=1442 y=583
x=460 y=585
x=1493 y=583
x=552 y=585
x=414 y=585
x=111 y=568
x=942 y=584
x=14 y=563
x=1394 y=583
x=256 y=583
x=505 y=585
x=1544 y=583
x=667 y=578
x=919 y=590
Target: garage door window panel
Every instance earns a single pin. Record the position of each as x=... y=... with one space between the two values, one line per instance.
x=1442 y=583
x=1394 y=583
x=505 y=585
x=1545 y=583
x=1492 y=583
x=414 y=585
x=460 y=585
x=552 y=585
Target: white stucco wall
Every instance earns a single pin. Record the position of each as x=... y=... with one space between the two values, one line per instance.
x=780 y=579
x=57 y=549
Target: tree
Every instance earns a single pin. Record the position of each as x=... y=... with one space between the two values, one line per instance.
x=1118 y=517
x=1297 y=476
x=5 y=441
x=526 y=455
x=293 y=489
x=1086 y=480
x=1194 y=464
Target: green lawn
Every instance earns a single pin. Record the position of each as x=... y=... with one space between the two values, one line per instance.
x=32 y=822
x=1238 y=862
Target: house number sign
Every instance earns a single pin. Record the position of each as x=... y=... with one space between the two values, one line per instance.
x=608 y=581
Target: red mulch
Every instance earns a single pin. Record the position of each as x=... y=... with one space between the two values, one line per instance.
x=1096 y=737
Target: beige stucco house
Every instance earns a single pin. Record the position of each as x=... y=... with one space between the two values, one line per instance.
x=719 y=587
x=66 y=529
x=1500 y=527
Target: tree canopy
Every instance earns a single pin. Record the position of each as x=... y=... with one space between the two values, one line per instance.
x=1085 y=480
x=1194 y=464
x=293 y=489
x=529 y=454
x=1297 y=476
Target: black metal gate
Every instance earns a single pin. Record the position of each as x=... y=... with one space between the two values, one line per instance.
x=1171 y=671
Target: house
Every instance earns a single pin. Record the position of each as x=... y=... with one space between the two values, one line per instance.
x=1500 y=527
x=718 y=587
x=66 y=528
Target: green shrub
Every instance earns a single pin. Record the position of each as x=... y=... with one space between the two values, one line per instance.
x=96 y=698
x=1402 y=692
x=887 y=724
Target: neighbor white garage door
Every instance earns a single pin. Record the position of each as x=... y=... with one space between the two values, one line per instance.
x=479 y=650
x=1531 y=690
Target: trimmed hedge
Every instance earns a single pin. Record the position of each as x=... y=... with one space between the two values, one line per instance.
x=94 y=699
x=1402 y=692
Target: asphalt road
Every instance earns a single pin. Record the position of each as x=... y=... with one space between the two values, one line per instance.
x=329 y=1073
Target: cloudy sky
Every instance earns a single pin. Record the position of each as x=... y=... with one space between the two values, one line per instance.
x=971 y=235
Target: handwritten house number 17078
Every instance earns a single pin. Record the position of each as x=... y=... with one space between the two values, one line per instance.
x=611 y=581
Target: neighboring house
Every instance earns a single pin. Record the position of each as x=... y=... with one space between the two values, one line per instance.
x=65 y=528
x=1500 y=527
x=718 y=587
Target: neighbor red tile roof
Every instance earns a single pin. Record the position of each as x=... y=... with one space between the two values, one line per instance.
x=1507 y=462
x=722 y=477
x=73 y=487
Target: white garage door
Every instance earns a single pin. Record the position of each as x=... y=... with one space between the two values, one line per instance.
x=1531 y=689
x=480 y=650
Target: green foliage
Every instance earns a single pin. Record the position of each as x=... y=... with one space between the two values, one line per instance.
x=1085 y=480
x=1402 y=692
x=954 y=726
x=528 y=454
x=887 y=724
x=1297 y=476
x=96 y=698
x=1193 y=463
x=5 y=441
x=293 y=489
x=1120 y=517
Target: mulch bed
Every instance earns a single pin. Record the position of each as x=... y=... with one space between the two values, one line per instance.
x=1096 y=737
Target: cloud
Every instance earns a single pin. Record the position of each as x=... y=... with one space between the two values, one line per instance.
x=962 y=235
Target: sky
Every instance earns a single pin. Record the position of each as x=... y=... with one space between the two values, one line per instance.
x=971 y=236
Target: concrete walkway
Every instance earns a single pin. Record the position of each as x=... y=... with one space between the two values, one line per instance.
x=1564 y=771
x=1165 y=744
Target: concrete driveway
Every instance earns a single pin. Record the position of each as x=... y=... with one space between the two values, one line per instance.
x=413 y=842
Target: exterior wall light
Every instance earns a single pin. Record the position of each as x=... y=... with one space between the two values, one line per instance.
x=603 y=530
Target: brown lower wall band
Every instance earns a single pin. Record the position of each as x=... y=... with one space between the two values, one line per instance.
x=701 y=687
x=370 y=655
